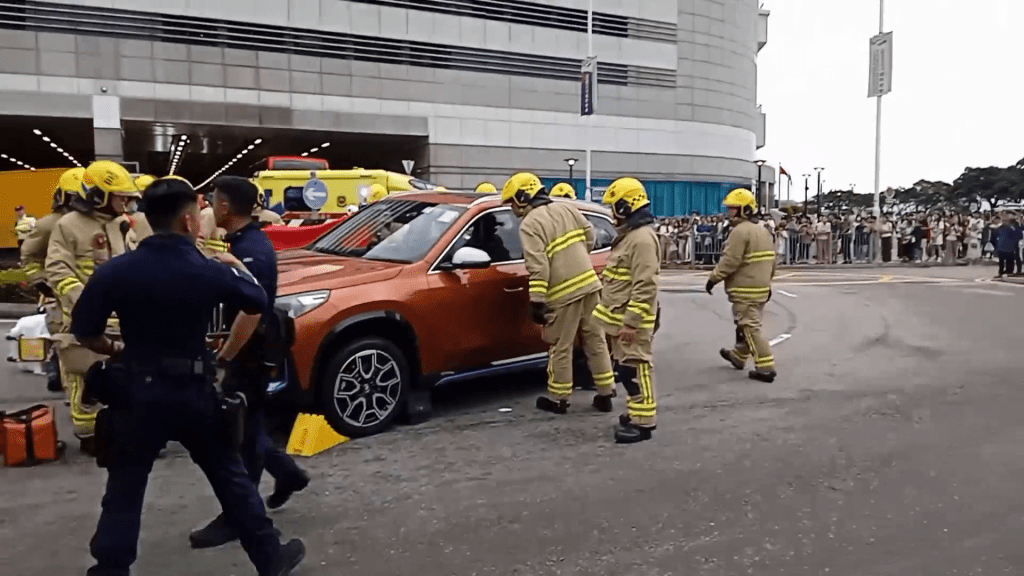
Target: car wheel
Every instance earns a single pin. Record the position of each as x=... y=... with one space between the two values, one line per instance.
x=365 y=387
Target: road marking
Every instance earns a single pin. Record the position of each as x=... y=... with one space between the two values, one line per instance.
x=779 y=339
x=784 y=293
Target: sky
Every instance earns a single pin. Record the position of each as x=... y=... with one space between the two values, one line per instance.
x=957 y=97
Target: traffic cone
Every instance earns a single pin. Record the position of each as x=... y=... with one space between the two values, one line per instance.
x=312 y=435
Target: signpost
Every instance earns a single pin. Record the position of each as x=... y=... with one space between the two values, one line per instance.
x=880 y=84
x=408 y=164
x=314 y=193
x=588 y=78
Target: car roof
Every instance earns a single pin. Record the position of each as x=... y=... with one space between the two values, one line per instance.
x=469 y=198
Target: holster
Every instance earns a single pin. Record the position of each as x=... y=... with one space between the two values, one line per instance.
x=106 y=382
x=234 y=408
x=112 y=436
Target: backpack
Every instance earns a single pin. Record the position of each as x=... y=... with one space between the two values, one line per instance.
x=29 y=437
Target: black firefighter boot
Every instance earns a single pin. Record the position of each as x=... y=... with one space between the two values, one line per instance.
x=555 y=407
x=762 y=375
x=631 y=433
x=603 y=403
x=731 y=358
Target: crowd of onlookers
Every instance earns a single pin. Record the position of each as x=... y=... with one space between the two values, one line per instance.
x=857 y=236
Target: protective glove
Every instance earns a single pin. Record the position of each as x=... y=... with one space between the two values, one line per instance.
x=769 y=295
x=710 y=286
x=538 y=311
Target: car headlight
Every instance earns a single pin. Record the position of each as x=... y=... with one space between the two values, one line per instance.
x=298 y=304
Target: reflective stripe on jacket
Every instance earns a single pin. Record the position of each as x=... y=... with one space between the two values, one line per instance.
x=557 y=241
x=748 y=263
x=33 y=250
x=630 y=293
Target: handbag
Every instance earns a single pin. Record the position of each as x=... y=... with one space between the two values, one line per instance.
x=29 y=437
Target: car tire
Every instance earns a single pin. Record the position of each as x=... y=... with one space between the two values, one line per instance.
x=365 y=387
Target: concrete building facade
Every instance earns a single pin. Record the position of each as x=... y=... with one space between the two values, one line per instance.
x=485 y=87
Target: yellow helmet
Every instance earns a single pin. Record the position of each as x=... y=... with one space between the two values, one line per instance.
x=521 y=188
x=176 y=177
x=377 y=193
x=486 y=188
x=441 y=189
x=69 y=186
x=743 y=199
x=625 y=196
x=103 y=178
x=563 y=190
x=143 y=182
x=261 y=200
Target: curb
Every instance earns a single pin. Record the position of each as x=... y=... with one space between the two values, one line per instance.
x=821 y=266
x=16 y=311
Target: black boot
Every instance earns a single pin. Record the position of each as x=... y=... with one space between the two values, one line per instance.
x=625 y=420
x=284 y=490
x=603 y=403
x=53 y=383
x=292 y=554
x=631 y=434
x=548 y=405
x=728 y=356
x=216 y=533
x=88 y=445
x=762 y=376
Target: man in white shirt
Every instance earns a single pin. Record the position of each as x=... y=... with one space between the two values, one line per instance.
x=823 y=235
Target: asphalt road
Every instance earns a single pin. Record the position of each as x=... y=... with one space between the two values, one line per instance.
x=891 y=444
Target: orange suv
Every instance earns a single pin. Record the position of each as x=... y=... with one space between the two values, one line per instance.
x=418 y=289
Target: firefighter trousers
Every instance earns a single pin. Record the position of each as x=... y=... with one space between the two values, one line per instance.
x=635 y=371
x=74 y=361
x=749 y=341
x=563 y=325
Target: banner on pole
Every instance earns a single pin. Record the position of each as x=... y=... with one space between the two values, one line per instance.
x=880 y=81
x=588 y=83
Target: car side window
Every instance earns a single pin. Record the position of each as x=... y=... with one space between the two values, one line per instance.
x=604 y=231
x=496 y=233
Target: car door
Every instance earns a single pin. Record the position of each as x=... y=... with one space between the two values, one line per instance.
x=485 y=308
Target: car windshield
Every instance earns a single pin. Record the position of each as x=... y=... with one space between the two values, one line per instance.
x=391 y=230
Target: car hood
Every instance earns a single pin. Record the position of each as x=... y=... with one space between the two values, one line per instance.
x=303 y=271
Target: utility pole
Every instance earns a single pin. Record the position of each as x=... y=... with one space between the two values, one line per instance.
x=807 y=187
x=589 y=195
x=880 y=85
x=819 y=170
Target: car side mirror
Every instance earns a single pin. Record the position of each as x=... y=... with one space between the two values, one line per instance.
x=468 y=258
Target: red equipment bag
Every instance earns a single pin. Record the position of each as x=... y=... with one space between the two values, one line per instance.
x=29 y=437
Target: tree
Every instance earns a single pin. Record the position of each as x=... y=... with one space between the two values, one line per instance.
x=994 y=185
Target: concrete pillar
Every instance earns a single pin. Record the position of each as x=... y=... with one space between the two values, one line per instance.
x=106 y=123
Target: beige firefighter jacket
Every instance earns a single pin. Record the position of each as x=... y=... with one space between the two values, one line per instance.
x=557 y=240
x=140 y=230
x=263 y=215
x=78 y=244
x=748 y=263
x=630 y=294
x=211 y=238
x=33 y=250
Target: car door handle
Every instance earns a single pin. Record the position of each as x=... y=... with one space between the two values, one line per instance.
x=511 y=289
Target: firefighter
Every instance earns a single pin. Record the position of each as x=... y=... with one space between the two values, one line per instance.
x=33 y=259
x=260 y=213
x=628 y=311
x=747 y=268
x=140 y=229
x=377 y=193
x=563 y=190
x=81 y=241
x=210 y=240
x=486 y=188
x=564 y=288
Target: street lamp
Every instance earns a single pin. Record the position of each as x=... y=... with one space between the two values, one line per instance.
x=807 y=186
x=760 y=163
x=819 y=170
x=571 y=162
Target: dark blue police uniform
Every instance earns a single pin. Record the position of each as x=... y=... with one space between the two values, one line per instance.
x=164 y=293
x=252 y=247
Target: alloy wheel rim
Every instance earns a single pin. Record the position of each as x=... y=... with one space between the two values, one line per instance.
x=367 y=387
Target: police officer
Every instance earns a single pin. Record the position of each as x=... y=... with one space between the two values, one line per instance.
x=564 y=288
x=33 y=259
x=747 y=267
x=628 y=311
x=163 y=293
x=82 y=241
x=563 y=190
x=245 y=352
